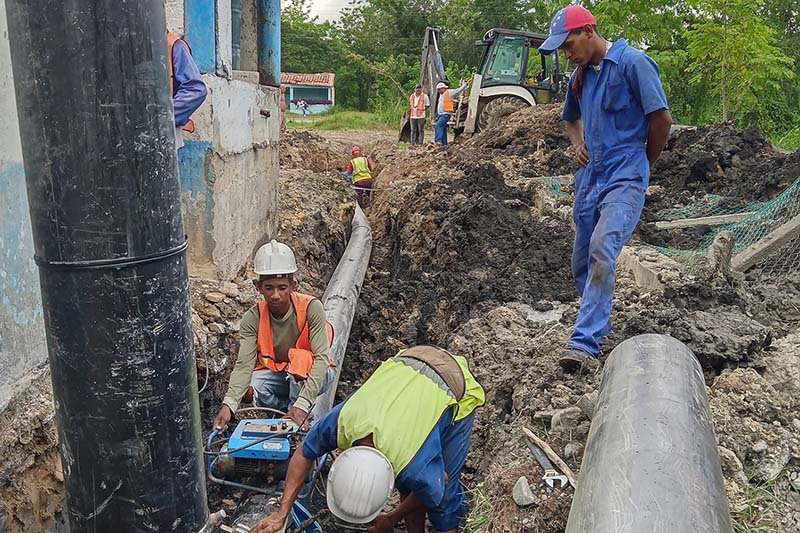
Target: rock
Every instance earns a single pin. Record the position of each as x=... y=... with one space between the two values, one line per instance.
x=544 y=417
x=573 y=450
x=587 y=403
x=211 y=313
x=566 y=418
x=760 y=446
x=523 y=495
x=731 y=466
x=214 y=297
x=229 y=289
x=217 y=328
x=796 y=424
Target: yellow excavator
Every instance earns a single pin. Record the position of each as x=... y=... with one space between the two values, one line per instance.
x=512 y=75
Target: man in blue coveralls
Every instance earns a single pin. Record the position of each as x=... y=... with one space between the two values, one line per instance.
x=618 y=122
x=188 y=89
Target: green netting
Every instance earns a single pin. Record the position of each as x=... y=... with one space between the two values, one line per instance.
x=710 y=205
x=766 y=217
x=553 y=187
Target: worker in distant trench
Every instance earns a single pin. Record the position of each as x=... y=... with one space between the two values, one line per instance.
x=284 y=351
x=444 y=108
x=419 y=105
x=618 y=122
x=188 y=89
x=359 y=172
x=408 y=426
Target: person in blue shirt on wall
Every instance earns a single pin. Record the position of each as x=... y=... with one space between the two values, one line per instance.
x=618 y=122
x=408 y=427
x=188 y=89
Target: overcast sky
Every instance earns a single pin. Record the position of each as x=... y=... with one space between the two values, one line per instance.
x=327 y=9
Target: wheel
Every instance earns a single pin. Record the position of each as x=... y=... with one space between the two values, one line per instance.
x=497 y=109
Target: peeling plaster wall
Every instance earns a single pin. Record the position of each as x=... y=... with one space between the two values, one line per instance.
x=22 y=342
x=229 y=171
x=175 y=16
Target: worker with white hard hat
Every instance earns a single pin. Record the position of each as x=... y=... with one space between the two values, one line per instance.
x=284 y=352
x=407 y=427
x=444 y=108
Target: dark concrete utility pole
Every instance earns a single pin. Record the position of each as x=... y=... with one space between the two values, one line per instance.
x=97 y=129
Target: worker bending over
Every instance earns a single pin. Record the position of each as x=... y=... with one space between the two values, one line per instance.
x=188 y=89
x=618 y=121
x=409 y=427
x=359 y=172
x=444 y=108
x=284 y=351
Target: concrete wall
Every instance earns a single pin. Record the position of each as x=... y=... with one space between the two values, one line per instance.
x=229 y=165
x=175 y=16
x=22 y=342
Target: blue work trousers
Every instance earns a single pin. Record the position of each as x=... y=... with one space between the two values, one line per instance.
x=609 y=197
x=278 y=390
x=441 y=129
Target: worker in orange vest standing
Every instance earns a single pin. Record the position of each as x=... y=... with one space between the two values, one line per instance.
x=419 y=105
x=444 y=109
x=188 y=89
x=284 y=352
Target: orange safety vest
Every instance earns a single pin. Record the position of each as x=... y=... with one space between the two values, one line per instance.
x=448 y=102
x=417 y=111
x=171 y=40
x=300 y=358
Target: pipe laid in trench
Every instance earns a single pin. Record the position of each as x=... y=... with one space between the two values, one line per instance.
x=651 y=462
x=97 y=130
x=341 y=297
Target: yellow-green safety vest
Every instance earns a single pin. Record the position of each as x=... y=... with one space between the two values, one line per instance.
x=361 y=170
x=400 y=407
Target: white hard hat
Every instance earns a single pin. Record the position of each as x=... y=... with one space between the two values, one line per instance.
x=274 y=259
x=441 y=85
x=359 y=484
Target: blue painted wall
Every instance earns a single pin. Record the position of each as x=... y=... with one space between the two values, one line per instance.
x=22 y=344
x=200 y=21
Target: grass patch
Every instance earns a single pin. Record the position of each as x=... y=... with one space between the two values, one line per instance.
x=789 y=140
x=765 y=504
x=337 y=120
x=480 y=514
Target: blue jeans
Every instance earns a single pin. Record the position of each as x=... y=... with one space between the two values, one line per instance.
x=278 y=390
x=455 y=445
x=441 y=129
x=609 y=197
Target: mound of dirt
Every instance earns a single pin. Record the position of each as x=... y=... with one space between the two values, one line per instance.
x=720 y=159
x=309 y=151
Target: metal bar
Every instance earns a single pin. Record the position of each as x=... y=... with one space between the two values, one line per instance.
x=341 y=297
x=97 y=132
x=651 y=462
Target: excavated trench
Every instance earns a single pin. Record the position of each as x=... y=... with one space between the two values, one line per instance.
x=471 y=252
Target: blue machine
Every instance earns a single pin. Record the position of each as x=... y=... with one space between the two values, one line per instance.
x=273 y=433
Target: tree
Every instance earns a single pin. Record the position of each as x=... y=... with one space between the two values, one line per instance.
x=733 y=53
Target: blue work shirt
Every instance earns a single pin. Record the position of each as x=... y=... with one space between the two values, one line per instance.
x=615 y=102
x=424 y=475
x=188 y=90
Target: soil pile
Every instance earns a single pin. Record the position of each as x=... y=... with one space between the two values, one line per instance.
x=471 y=255
x=309 y=151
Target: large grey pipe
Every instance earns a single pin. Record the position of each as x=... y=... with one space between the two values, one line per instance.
x=341 y=297
x=651 y=462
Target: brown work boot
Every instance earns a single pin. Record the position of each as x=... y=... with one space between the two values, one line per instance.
x=573 y=360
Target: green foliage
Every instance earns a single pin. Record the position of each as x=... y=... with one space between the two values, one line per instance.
x=375 y=51
x=733 y=54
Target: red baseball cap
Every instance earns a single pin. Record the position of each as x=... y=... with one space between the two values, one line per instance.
x=566 y=20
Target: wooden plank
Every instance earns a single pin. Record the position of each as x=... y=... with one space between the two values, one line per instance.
x=472 y=109
x=717 y=220
x=751 y=255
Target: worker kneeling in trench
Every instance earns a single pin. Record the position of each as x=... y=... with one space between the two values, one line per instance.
x=408 y=426
x=284 y=353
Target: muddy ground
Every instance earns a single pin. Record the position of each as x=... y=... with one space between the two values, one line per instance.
x=471 y=252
